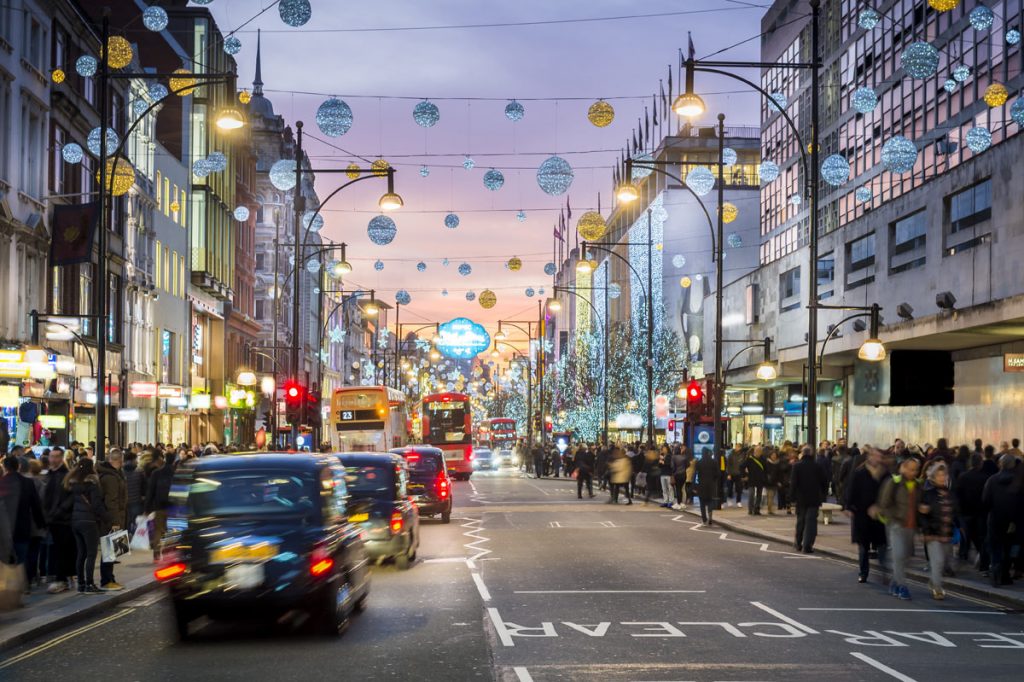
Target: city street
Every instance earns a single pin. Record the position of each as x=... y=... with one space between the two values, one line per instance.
x=529 y=583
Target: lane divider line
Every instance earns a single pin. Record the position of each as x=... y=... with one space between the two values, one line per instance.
x=63 y=638
x=795 y=623
x=878 y=665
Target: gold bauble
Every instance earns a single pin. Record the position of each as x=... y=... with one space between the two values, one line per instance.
x=183 y=84
x=996 y=95
x=515 y=263
x=244 y=96
x=120 y=52
x=487 y=299
x=380 y=167
x=601 y=113
x=729 y=212
x=58 y=76
x=943 y=5
x=591 y=226
x=352 y=171
x=685 y=282
x=120 y=178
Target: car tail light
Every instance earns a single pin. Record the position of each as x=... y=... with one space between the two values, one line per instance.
x=397 y=523
x=320 y=562
x=442 y=486
x=169 y=571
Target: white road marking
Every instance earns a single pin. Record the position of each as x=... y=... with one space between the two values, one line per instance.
x=881 y=666
x=610 y=591
x=786 y=619
x=480 y=587
x=974 y=613
x=60 y=640
x=523 y=674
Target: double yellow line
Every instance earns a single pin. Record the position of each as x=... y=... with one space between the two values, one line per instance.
x=63 y=638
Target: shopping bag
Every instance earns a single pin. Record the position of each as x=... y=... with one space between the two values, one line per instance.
x=12 y=585
x=140 y=540
x=114 y=545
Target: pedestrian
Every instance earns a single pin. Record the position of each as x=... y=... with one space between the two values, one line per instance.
x=936 y=520
x=1003 y=505
x=707 y=485
x=866 y=531
x=19 y=501
x=808 y=485
x=86 y=516
x=898 y=500
x=755 y=477
x=115 y=502
x=584 y=463
x=620 y=473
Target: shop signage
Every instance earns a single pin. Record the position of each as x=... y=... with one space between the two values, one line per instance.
x=462 y=338
x=142 y=389
x=1013 y=362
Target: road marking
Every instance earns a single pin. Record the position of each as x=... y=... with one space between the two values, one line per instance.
x=975 y=613
x=610 y=591
x=881 y=666
x=523 y=674
x=499 y=627
x=785 y=619
x=60 y=640
x=480 y=587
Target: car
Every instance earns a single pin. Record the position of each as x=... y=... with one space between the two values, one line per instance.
x=263 y=534
x=483 y=458
x=377 y=484
x=429 y=482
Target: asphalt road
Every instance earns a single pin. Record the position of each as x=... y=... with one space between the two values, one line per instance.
x=528 y=583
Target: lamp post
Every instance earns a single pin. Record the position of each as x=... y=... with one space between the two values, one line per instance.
x=604 y=326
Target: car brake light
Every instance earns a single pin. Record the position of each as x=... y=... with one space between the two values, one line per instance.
x=169 y=571
x=396 y=522
x=320 y=563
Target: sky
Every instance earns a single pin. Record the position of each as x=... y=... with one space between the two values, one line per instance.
x=555 y=70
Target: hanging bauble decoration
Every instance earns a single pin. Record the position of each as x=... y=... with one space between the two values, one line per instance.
x=120 y=52
x=155 y=18
x=313 y=266
x=282 y=174
x=157 y=91
x=981 y=18
x=591 y=226
x=734 y=240
x=614 y=290
x=777 y=101
x=961 y=72
x=729 y=156
x=232 y=45
x=451 y=221
x=600 y=113
x=978 y=139
x=72 y=152
x=402 y=297
x=515 y=264
x=312 y=221
x=295 y=13
x=949 y=85
x=943 y=5
x=201 y=168
x=426 y=114
x=465 y=269
x=521 y=216
x=729 y=212
x=529 y=292
x=678 y=260
x=1012 y=36
x=685 y=282
x=864 y=100
x=835 y=169
x=421 y=266
x=555 y=176
x=120 y=176
x=334 y=117
x=862 y=195
x=700 y=180
x=93 y=141
x=379 y=265
x=899 y=154
x=868 y=18
x=493 y=180
x=218 y=161
x=381 y=230
x=468 y=163
x=183 y=83
x=1017 y=111
x=920 y=60
x=768 y=171
x=241 y=213
x=424 y=171
x=86 y=66
x=470 y=296
x=550 y=269
x=514 y=111
x=487 y=299
x=996 y=95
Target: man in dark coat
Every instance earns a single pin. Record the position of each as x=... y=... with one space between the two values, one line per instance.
x=807 y=487
x=861 y=494
x=584 y=463
x=708 y=471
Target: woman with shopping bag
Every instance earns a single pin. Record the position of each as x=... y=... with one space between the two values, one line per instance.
x=87 y=514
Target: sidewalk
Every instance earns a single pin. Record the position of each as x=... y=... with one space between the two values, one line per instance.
x=42 y=613
x=834 y=541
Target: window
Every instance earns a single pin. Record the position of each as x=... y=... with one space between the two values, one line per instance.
x=970 y=206
x=860 y=261
x=789 y=290
x=826 y=275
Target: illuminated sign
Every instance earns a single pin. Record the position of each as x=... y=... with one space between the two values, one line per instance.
x=462 y=339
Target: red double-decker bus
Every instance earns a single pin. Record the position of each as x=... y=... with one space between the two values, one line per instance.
x=447 y=423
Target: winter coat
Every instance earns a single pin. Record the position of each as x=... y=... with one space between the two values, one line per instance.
x=968 y=490
x=87 y=501
x=807 y=483
x=937 y=523
x=115 y=497
x=861 y=494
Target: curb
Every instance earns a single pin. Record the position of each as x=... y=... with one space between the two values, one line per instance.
x=146 y=584
x=1012 y=601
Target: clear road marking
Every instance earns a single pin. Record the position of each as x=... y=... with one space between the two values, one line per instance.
x=786 y=619
x=499 y=627
x=60 y=640
x=610 y=591
x=974 y=613
x=881 y=666
x=480 y=587
x=522 y=674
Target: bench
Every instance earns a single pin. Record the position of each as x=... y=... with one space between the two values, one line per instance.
x=825 y=512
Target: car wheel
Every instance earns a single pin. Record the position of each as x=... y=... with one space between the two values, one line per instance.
x=446 y=517
x=336 y=611
x=183 y=616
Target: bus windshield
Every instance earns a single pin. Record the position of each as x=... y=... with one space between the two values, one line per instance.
x=447 y=422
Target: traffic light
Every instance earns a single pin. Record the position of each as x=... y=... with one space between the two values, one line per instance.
x=294 y=397
x=694 y=399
